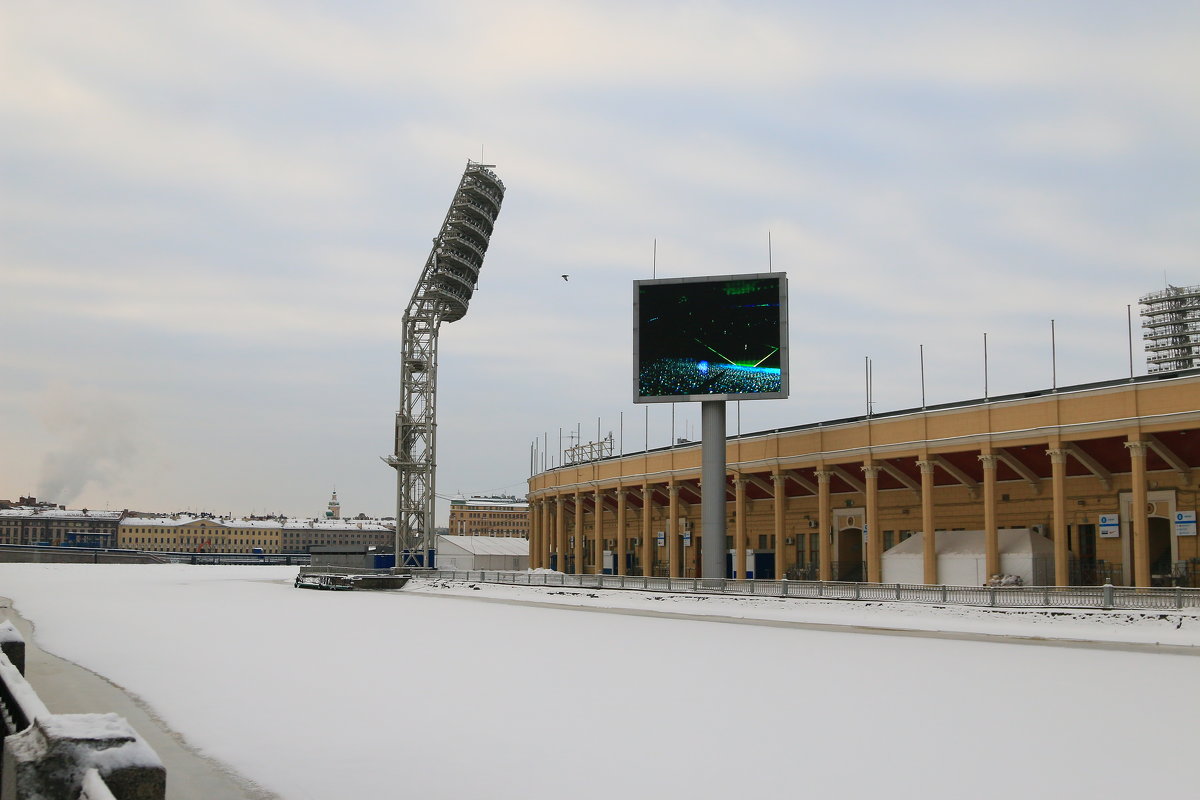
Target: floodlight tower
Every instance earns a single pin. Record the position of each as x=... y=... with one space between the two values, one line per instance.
x=442 y=294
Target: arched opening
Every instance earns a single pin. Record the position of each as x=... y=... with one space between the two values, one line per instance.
x=849 y=554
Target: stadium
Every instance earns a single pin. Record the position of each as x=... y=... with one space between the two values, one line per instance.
x=1085 y=484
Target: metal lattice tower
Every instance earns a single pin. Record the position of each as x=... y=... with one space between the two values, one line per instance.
x=1171 y=321
x=442 y=294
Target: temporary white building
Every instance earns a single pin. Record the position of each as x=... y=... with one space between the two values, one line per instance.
x=482 y=552
x=962 y=558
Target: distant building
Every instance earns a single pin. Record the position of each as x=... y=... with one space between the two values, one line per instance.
x=1171 y=321
x=505 y=517
x=301 y=535
x=49 y=524
x=334 y=510
x=200 y=534
x=205 y=534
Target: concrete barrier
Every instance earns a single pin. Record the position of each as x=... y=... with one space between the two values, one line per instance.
x=12 y=644
x=69 y=756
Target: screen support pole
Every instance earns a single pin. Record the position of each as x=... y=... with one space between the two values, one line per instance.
x=712 y=488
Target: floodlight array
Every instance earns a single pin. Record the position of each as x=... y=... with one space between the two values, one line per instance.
x=1171 y=321
x=442 y=294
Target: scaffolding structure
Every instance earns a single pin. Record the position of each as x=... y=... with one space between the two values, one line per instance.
x=442 y=294
x=589 y=451
x=1171 y=325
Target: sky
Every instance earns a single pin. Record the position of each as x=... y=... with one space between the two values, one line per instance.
x=212 y=216
x=534 y=693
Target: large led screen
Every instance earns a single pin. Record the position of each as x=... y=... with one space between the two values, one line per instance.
x=712 y=338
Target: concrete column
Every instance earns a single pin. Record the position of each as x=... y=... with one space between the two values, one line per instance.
x=560 y=528
x=535 y=519
x=991 y=534
x=598 y=534
x=928 y=527
x=824 y=523
x=1058 y=480
x=547 y=533
x=674 y=543
x=1140 y=547
x=578 y=568
x=647 y=533
x=778 y=485
x=620 y=565
x=739 y=520
x=874 y=535
x=712 y=484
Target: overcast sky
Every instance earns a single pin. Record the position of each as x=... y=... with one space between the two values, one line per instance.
x=212 y=215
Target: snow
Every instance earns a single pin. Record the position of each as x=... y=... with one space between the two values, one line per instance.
x=22 y=692
x=9 y=633
x=453 y=690
x=104 y=741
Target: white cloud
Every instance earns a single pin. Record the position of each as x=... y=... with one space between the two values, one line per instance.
x=248 y=191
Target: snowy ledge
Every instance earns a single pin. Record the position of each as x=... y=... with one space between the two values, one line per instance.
x=1173 y=628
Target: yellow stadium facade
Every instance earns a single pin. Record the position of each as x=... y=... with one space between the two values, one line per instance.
x=1105 y=475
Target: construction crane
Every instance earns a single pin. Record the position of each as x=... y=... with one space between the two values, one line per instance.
x=449 y=279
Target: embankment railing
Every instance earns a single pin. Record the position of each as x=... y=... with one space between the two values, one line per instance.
x=1104 y=597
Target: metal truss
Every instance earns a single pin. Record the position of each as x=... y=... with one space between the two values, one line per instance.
x=442 y=294
x=1171 y=319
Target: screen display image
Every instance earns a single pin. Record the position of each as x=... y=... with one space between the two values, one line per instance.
x=715 y=338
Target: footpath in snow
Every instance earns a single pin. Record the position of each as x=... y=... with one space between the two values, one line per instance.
x=1176 y=628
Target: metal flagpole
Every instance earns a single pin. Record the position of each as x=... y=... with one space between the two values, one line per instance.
x=985 y=368
x=1129 y=323
x=1053 y=360
x=922 y=376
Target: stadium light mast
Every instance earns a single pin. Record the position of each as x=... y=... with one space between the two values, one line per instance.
x=442 y=294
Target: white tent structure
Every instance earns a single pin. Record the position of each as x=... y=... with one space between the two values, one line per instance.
x=962 y=558
x=482 y=552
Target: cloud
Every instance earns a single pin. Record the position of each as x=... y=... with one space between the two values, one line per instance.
x=218 y=211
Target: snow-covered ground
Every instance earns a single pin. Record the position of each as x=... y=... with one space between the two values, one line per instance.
x=430 y=693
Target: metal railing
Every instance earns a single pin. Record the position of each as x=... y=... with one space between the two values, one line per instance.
x=1106 y=597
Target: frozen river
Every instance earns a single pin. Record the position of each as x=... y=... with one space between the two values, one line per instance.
x=435 y=694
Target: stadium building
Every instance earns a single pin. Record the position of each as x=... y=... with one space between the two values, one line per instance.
x=1097 y=482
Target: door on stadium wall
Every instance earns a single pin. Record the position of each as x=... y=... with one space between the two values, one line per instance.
x=849 y=554
x=847 y=551
x=1164 y=548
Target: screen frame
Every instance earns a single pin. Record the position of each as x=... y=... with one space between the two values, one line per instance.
x=784 y=367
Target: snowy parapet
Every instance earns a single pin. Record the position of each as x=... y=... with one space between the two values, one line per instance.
x=12 y=644
x=52 y=757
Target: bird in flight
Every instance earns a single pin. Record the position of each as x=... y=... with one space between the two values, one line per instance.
x=564 y=277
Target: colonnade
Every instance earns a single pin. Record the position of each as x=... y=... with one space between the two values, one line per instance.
x=635 y=503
